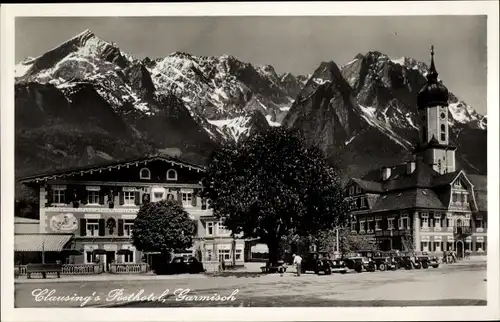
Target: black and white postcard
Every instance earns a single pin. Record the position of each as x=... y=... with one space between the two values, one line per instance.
x=259 y=161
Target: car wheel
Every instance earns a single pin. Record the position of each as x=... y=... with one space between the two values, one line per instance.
x=358 y=269
x=435 y=266
x=381 y=267
x=425 y=266
x=328 y=271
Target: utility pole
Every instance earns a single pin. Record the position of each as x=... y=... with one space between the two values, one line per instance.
x=43 y=252
x=337 y=239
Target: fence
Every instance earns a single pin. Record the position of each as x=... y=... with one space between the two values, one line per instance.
x=67 y=269
x=128 y=268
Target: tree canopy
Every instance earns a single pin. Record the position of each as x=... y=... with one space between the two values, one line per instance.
x=273 y=184
x=163 y=226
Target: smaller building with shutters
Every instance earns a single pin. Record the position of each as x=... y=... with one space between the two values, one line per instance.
x=98 y=205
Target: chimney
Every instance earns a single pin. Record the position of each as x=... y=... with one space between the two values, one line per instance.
x=410 y=167
x=386 y=173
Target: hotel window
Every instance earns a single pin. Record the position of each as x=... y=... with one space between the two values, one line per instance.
x=425 y=246
x=361 y=226
x=480 y=246
x=437 y=246
x=58 y=195
x=89 y=257
x=238 y=254
x=187 y=199
x=358 y=203
x=92 y=227
x=443 y=132
x=377 y=224
x=129 y=197
x=221 y=229
x=171 y=175
x=363 y=202
x=93 y=197
x=390 y=223
x=403 y=223
x=210 y=228
x=455 y=197
x=129 y=257
x=145 y=174
x=358 y=189
x=352 y=190
x=128 y=226
x=224 y=254
x=425 y=221
x=479 y=223
x=449 y=222
x=353 y=225
x=437 y=221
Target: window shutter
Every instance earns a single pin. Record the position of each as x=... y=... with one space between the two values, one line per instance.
x=84 y=195
x=384 y=224
x=122 y=198
x=120 y=227
x=68 y=195
x=83 y=227
x=49 y=197
x=137 y=198
x=179 y=197
x=102 y=227
x=101 y=196
x=194 y=197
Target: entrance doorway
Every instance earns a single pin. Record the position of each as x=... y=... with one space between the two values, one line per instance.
x=108 y=259
x=459 y=227
x=460 y=249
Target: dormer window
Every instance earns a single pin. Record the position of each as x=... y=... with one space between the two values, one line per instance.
x=171 y=175
x=145 y=174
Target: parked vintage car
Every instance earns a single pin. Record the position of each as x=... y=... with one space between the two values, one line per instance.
x=317 y=263
x=179 y=265
x=410 y=261
x=381 y=260
x=339 y=266
x=354 y=262
x=427 y=260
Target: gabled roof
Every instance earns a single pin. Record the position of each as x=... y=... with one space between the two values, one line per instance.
x=109 y=165
x=421 y=177
x=368 y=186
x=412 y=198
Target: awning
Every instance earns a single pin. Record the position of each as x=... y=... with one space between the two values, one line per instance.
x=40 y=242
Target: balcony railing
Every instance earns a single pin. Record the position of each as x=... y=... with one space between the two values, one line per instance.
x=464 y=230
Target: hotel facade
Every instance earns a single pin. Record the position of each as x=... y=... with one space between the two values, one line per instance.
x=93 y=209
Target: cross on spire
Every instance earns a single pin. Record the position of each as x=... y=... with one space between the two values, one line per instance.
x=433 y=74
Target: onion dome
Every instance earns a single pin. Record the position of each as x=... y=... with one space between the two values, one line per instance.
x=433 y=93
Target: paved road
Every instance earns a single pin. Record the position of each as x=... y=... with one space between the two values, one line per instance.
x=446 y=285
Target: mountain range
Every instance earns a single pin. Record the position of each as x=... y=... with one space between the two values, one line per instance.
x=86 y=101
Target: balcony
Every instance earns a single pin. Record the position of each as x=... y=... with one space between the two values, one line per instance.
x=462 y=231
x=480 y=230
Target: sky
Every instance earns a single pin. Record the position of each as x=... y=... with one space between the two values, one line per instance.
x=290 y=44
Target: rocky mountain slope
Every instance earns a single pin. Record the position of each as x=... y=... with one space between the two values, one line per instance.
x=364 y=115
x=86 y=101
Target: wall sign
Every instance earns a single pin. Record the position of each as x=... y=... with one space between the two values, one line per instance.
x=63 y=222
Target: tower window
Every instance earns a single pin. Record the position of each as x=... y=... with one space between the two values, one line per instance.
x=443 y=132
x=443 y=116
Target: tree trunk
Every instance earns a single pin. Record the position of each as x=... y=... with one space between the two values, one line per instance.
x=273 y=247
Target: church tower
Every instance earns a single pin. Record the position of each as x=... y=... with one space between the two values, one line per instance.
x=432 y=102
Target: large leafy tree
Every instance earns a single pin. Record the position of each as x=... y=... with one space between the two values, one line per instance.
x=163 y=226
x=272 y=185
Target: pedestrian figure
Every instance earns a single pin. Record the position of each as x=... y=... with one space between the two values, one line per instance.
x=297 y=261
x=445 y=257
x=467 y=254
x=222 y=264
